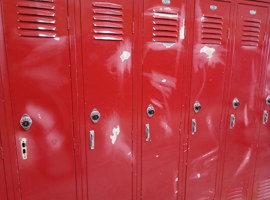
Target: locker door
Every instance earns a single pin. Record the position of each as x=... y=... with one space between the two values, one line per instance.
x=162 y=66
x=37 y=51
x=107 y=69
x=261 y=189
x=242 y=127
x=207 y=88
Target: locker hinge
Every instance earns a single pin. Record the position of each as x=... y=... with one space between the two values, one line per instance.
x=2 y=153
x=67 y=23
x=133 y=28
x=228 y=32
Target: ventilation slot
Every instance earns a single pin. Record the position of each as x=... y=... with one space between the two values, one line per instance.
x=165 y=26
x=263 y=190
x=251 y=32
x=36 y=18
x=212 y=30
x=235 y=194
x=108 y=21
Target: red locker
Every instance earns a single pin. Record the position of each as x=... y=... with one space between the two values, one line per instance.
x=163 y=48
x=261 y=189
x=37 y=54
x=107 y=70
x=242 y=134
x=211 y=29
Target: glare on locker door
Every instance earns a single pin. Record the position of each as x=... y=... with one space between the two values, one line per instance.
x=107 y=72
x=208 y=76
x=242 y=119
x=261 y=189
x=163 y=49
x=37 y=46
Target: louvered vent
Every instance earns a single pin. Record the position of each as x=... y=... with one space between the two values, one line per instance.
x=263 y=190
x=235 y=194
x=251 y=32
x=36 y=18
x=107 y=21
x=165 y=26
x=212 y=30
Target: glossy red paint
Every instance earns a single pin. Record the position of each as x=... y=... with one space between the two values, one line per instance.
x=241 y=140
x=119 y=57
x=107 y=71
x=211 y=29
x=163 y=48
x=262 y=174
x=39 y=81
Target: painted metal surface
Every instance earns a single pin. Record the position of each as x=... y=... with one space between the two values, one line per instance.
x=107 y=72
x=261 y=189
x=37 y=52
x=144 y=99
x=162 y=66
x=241 y=140
x=211 y=27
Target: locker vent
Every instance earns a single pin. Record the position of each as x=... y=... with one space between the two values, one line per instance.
x=107 y=21
x=36 y=18
x=212 y=29
x=263 y=190
x=165 y=26
x=251 y=32
x=235 y=194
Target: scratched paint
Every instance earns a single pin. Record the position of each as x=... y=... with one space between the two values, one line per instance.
x=116 y=132
x=125 y=55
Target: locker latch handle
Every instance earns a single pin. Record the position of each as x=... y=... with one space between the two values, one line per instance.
x=232 y=122
x=265 y=117
x=92 y=140
x=194 y=126
x=24 y=148
x=147 y=132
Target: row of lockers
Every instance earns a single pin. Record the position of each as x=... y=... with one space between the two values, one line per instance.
x=150 y=100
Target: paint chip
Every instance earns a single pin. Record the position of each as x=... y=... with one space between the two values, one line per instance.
x=168 y=44
x=208 y=51
x=125 y=55
x=116 y=132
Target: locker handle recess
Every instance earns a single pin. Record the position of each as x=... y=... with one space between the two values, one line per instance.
x=194 y=126
x=265 y=117
x=24 y=148
x=232 y=122
x=147 y=132
x=92 y=140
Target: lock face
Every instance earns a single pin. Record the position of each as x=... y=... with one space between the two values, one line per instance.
x=95 y=116
x=26 y=122
x=236 y=103
x=268 y=100
x=150 y=111
x=197 y=107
